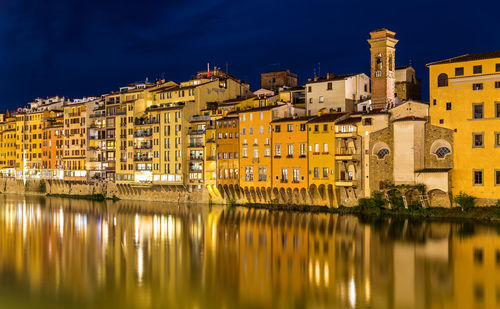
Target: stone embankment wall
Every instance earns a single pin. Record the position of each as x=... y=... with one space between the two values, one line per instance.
x=157 y=193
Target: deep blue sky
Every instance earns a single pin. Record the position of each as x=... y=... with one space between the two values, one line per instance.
x=82 y=48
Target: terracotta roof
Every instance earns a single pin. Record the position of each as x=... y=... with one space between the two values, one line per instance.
x=332 y=78
x=348 y=120
x=262 y=108
x=410 y=118
x=326 y=118
x=469 y=57
x=291 y=119
x=433 y=170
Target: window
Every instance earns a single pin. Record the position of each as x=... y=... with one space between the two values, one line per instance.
x=277 y=128
x=497 y=109
x=497 y=67
x=244 y=153
x=459 y=71
x=316 y=148
x=289 y=128
x=302 y=127
x=309 y=89
x=295 y=175
x=448 y=106
x=325 y=127
x=434 y=102
x=289 y=152
x=497 y=139
x=441 y=121
x=321 y=99
x=250 y=130
x=497 y=85
x=267 y=152
x=261 y=115
x=277 y=150
x=478 y=110
x=316 y=172
x=497 y=179
x=250 y=117
x=256 y=153
x=325 y=172
x=478 y=86
x=477 y=139
x=329 y=86
x=248 y=173
x=441 y=152
x=325 y=148
x=478 y=178
x=303 y=148
x=316 y=128
x=442 y=80
x=382 y=153
x=477 y=69
x=262 y=173
x=284 y=175
x=243 y=131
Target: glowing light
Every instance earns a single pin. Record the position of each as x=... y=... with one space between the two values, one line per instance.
x=352 y=293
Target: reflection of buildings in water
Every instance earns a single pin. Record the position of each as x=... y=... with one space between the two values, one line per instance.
x=476 y=265
x=81 y=249
x=410 y=265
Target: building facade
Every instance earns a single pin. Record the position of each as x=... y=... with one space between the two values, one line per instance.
x=465 y=98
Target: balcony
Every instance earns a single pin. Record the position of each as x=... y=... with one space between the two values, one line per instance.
x=346 y=183
x=255 y=160
x=196 y=158
x=351 y=134
x=143 y=159
x=196 y=132
x=211 y=140
x=143 y=134
x=346 y=154
x=143 y=147
x=196 y=145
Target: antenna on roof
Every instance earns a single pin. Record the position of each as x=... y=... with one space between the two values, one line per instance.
x=410 y=61
x=319 y=69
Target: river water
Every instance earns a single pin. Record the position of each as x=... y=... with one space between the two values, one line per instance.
x=62 y=253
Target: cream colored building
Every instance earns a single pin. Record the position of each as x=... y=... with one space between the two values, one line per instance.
x=336 y=93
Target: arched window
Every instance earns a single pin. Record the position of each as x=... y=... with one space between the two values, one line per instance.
x=443 y=80
x=441 y=152
x=382 y=153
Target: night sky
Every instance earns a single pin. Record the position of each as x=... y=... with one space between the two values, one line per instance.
x=84 y=48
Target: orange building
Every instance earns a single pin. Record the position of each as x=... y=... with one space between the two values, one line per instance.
x=255 y=148
x=8 y=146
x=227 y=153
x=52 y=145
x=75 y=142
x=289 y=160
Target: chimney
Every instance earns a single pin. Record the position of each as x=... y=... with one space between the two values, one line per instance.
x=327 y=75
x=315 y=78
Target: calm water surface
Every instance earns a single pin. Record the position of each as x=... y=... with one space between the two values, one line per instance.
x=59 y=253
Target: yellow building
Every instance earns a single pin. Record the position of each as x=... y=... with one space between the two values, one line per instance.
x=8 y=146
x=29 y=144
x=321 y=159
x=289 y=158
x=75 y=142
x=465 y=97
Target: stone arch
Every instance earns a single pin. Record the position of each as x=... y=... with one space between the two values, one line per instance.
x=438 y=146
x=314 y=194
x=282 y=195
x=253 y=194
x=296 y=196
x=259 y=194
x=289 y=196
x=275 y=195
x=331 y=195
x=221 y=190
x=322 y=192
x=265 y=196
x=437 y=197
x=303 y=195
x=381 y=150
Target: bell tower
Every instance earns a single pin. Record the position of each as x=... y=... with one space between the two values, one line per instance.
x=383 y=79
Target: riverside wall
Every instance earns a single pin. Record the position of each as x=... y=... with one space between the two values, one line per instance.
x=155 y=193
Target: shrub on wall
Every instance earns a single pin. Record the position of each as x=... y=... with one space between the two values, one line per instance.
x=464 y=200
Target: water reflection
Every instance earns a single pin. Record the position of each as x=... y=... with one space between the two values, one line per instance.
x=59 y=253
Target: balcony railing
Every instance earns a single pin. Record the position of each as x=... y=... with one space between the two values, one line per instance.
x=196 y=145
x=143 y=134
x=143 y=159
x=196 y=158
